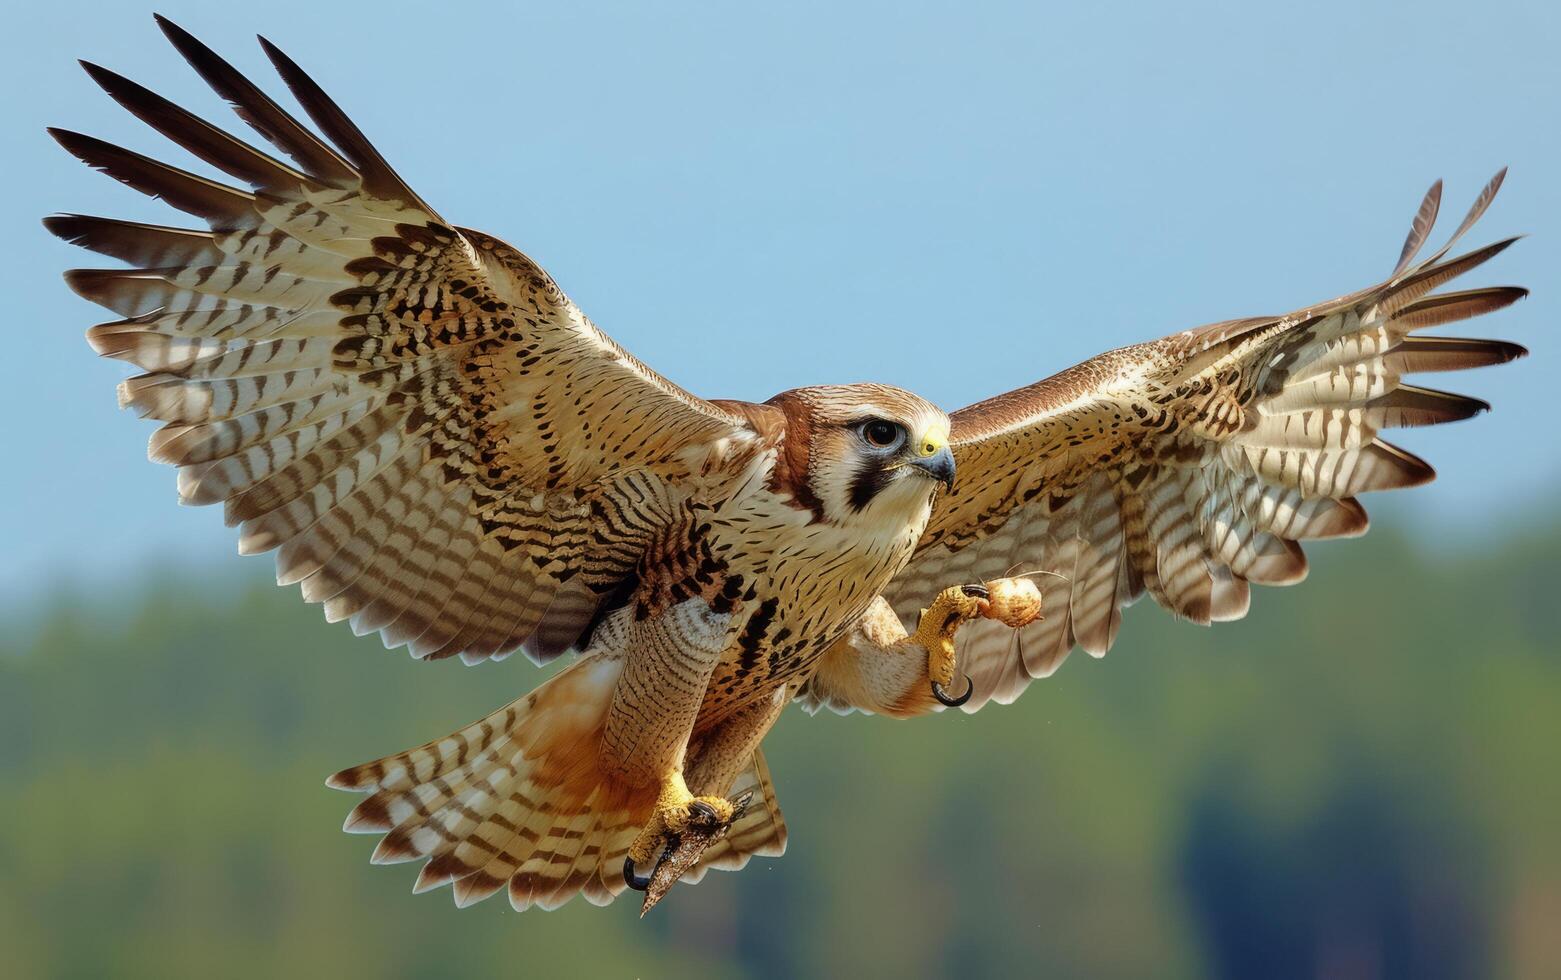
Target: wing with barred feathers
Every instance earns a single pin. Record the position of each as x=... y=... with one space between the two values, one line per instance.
x=439 y=445
x=1190 y=467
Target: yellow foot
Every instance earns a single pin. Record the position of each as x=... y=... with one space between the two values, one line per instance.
x=1015 y=602
x=708 y=820
x=677 y=811
x=935 y=631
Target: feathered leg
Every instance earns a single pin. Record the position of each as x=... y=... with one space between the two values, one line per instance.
x=668 y=662
x=718 y=759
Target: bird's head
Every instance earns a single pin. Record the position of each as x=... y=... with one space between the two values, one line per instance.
x=865 y=450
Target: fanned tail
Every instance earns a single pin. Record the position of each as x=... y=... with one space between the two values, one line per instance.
x=516 y=800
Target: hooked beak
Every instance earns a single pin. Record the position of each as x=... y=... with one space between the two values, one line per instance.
x=939 y=465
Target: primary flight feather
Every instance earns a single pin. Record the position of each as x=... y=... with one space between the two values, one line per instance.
x=440 y=447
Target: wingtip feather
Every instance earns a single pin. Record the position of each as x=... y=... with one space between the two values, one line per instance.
x=1420 y=227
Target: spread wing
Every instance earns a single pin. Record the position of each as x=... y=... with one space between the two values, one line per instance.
x=1190 y=467
x=435 y=440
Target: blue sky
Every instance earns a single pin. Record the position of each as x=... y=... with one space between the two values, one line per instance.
x=957 y=201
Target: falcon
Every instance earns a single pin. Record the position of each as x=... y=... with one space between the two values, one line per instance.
x=441 y=448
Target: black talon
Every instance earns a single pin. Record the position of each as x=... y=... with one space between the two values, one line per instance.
x=701 y=815
x=976 y=591
x=953 y=702
x=633 y=880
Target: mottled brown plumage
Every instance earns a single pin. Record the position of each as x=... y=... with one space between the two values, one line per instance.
x=1190 y=467
x=440 y=447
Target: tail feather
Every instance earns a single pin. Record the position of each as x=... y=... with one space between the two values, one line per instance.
x=515 y=801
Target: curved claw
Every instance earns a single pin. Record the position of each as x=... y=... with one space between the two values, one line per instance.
x=976 y=591
x=945 y=698
x=630 y=873
x=633 y=880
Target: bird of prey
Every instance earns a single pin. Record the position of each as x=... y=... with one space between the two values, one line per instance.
x=440 y=447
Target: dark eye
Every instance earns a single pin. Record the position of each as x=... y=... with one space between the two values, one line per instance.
x=882 y=434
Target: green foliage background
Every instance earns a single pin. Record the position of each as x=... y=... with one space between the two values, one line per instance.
x=1363 y=778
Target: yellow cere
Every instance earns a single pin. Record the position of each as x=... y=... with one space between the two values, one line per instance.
x=935 y=439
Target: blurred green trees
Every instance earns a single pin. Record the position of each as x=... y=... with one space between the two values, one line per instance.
x=1363 y=779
